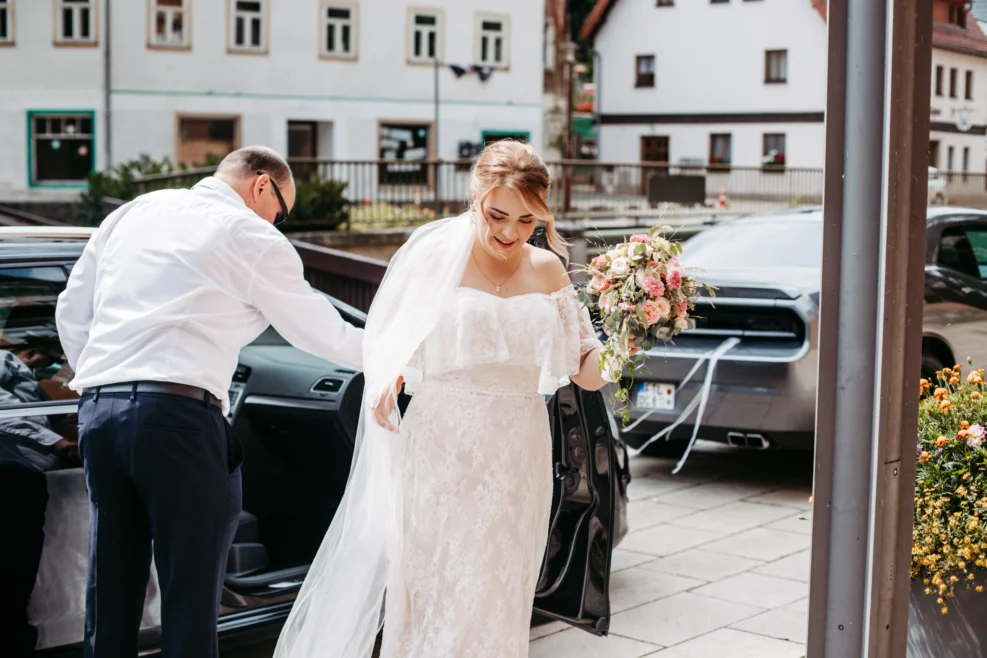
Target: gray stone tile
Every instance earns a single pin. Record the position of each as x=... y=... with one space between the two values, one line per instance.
x=761 y=544
x=712 y=494
x=666 y=539
x=544 y=630
x=635 y=586
x=780 y=623
x=643 y=514
x=798 y=522
x=649 y=487
x=756 y=590
x=679 y=618
x=802 y=605
x=626 y=559
x=729 y=643
x=733 y=517
x=575 y=643
x=794 y=497
x=697 y=563
x=793 y=567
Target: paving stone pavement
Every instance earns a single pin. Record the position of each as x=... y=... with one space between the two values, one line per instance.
x=716 y=562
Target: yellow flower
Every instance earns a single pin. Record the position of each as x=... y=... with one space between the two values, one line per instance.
x=945 y=610
x=980 y=588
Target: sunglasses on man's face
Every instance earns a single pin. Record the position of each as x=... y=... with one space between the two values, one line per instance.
x=283 y=215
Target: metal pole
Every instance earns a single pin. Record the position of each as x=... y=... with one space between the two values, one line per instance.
x=107 y=86
x=438 y=153
x=873 y=254
x=567 y=132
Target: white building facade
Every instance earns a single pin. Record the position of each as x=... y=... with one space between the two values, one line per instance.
x=743 y=82
x=192 y=79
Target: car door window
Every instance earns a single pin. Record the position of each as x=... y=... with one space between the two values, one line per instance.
x=964 y=249
x=36 y=434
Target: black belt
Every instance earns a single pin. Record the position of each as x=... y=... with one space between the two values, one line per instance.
x=133 y=388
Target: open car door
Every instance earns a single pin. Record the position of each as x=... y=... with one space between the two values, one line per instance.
x=574 y=583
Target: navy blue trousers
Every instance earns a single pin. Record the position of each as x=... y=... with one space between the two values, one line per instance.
x=161 y=468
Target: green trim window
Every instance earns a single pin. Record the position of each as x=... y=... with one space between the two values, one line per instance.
x=491 y=136
x=61 y=147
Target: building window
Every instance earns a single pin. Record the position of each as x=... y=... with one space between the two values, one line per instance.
x=774 y=150
x=403 y=150
x=492 y=41
x=968 y=93
x=339 y=30
x=206 y=140
x=966 y=161
x=666 y=3
x=76 y=21
x=939 y=73
x=645 y=68
x=6 y=22
x=775 y=66
x=949 y=159
x=952 y=83
x=168 y=23
x=425 y=36
x=247 y=33
x=720 y=148
x=61 y=147
x=957 y=15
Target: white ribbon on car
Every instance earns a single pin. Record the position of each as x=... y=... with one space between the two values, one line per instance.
x=699 y=401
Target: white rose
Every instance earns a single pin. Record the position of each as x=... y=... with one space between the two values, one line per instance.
x=612 y=254
x=620 y=266
x=681 y=324
x=664 y=307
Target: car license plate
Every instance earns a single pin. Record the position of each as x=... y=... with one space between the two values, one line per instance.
x=656 y=395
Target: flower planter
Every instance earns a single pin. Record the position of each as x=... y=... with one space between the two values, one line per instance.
x=962 y=633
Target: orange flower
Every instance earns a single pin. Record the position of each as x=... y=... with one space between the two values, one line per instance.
x=941 y=441
x=975 y=378
x=964 y=424
x=924 y=457
x=953 y=381
x=945 y=406
x=923 y=386
x=962 y=435
x=976 y=395
x=940 y=393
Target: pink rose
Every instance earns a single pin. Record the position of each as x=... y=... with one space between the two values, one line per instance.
x=674 y=278
x=600 y=262
x=681 y=324
x=640 y=237
x=652 y=312
x=976 y=435
x=653 y=287
x=652 y=263
x=627 y=307
x=682 y=308
x=600 y=284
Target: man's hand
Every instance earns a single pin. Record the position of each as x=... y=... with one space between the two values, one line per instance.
x=385 y=407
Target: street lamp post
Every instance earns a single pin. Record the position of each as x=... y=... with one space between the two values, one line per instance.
x=570 y=61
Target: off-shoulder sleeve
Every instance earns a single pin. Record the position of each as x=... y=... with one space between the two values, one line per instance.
x=574 y=338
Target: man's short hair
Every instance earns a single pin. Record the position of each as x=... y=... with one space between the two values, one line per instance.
x=247 y=161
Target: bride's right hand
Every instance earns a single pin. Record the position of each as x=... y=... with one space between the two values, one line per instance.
x=385 y=407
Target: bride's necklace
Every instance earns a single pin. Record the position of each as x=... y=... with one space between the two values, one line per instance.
x=497 y=287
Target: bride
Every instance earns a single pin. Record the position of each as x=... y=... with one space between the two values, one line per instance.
x=448 y=508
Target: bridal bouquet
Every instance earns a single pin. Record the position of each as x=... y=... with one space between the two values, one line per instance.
x=640 y=294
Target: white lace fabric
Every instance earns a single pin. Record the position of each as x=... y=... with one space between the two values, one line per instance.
x=476 y=476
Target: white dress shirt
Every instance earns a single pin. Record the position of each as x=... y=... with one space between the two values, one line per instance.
x=176 y=282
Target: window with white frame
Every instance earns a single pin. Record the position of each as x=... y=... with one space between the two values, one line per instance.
x=425 y=42
x=169 y=23
x=492 y=40
x=247 y=30
x=76 y=21
x=6 y=22
x=338 y=30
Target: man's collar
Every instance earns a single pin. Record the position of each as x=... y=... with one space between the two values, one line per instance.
x=215 y=185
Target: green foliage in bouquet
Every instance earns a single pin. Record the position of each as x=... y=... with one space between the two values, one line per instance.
x=949 y=538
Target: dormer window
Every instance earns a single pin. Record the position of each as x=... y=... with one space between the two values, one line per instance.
x=957 y=15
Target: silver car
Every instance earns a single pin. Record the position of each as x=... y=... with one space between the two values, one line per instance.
x=767 y=269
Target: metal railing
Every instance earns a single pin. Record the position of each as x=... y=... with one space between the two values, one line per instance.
x=350 y=278
x=384 y=194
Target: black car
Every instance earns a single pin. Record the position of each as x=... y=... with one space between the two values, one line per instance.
x=297 y=417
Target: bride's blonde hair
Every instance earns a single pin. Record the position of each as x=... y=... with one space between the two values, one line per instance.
x=517 y=167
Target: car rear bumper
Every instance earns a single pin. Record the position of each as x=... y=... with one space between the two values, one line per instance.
x=754 y=393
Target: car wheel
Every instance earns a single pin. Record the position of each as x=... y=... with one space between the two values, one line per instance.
x=930 y=366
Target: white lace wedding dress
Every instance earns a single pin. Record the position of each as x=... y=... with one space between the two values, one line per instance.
x=476 y=482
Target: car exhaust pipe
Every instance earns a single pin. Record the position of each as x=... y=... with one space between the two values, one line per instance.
x=747 y=441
